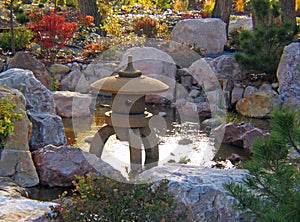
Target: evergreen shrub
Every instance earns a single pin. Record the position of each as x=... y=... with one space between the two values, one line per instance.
x=271 y=191
x=259 y=51
x=23 y=37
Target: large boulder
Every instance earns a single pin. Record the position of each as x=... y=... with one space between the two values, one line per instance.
x=249 y=90
x=240 y=135
x=72 y=104
x=225 y=67
x=24 y=60
x=15 y=207
x=57 y=166
x=59 y=69
x=15 y=158
x=202 y=110
x=240 y=22
x=153 y=63
x=38 y=97
x=75 y=81
x=99 y=69
x=258 y=105
x=205 y=76
x=288 y=75
x=200 y=189
x=47 y=129
x=236 y=94
x=208 y=34
x=41 y=107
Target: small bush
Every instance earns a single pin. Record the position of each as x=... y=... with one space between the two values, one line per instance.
x=51 y=32
x=146 y=26
x=8 y=116
x=104 y=199
x=22 y=39
x=22 y=18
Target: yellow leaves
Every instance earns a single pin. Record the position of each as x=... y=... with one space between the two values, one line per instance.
x=8 y=116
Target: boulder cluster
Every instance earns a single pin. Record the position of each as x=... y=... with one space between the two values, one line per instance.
x=37 y=153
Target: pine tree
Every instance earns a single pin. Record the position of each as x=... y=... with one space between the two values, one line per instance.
x=271 y=191
x=260 y=51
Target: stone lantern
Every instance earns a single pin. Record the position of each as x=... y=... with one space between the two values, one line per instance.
x=128 y=118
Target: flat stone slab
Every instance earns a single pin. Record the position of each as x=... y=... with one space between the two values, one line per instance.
x=15 y=207
x=200 y=189
x=72 y=104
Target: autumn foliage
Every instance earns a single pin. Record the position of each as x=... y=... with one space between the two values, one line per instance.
x=51 y=32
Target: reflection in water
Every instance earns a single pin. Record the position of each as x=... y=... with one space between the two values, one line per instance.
x=45 y=193
x=182 y=140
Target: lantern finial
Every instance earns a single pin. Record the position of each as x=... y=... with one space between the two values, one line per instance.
x=130 y=71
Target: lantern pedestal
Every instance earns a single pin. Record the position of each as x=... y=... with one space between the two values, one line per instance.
x=128 y=118
x=136 y=137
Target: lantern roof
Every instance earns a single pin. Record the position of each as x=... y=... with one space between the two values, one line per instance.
x=130 y=81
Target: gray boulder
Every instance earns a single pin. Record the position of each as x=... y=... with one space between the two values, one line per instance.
x=249 y=90
x=208 y=34
x=202 y=72
x=47 y=127
x=99 y=69
x=15 y=158
x=288 y=75
x=57 y=166
x=59 y=69
x=15 y=207
x=72 y=104
x=236 y=94
x=240 y=22
x=200 y=189
x=38 y=97
x=225 y=67
x=75 y=81
x=25 y=60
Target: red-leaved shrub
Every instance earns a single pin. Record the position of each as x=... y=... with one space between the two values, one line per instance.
x=51 y=32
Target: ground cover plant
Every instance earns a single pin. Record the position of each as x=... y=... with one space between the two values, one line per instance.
x=104 y=199
x=271 y=191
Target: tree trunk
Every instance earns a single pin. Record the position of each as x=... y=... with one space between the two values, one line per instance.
x=13 y=46
x=26 y=2
x=288 y=10
x=192 y=5
x=222 y=10
x=90 y=7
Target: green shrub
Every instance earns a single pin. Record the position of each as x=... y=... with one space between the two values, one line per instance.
x=22 y=18
x=260 y=51
x=271 y=191
x=60 y=2
x=8 y=116
x=146 y=26
x=71 y=3
x=163 y=4
x=104 y=199
x=22 y=39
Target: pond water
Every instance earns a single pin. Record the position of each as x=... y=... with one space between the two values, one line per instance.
x=183 y=141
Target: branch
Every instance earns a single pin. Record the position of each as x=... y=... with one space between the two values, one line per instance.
x=294 y=145
x=267 y=189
